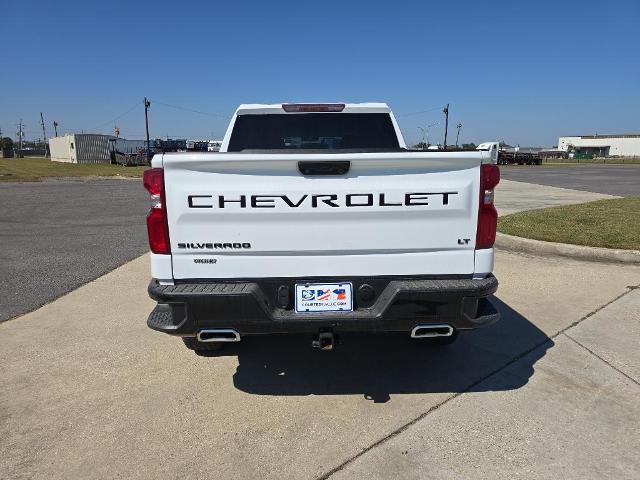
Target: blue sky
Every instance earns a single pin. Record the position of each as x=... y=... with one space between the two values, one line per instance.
x=519 y=71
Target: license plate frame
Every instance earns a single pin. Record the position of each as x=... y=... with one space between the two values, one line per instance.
x=314 y=301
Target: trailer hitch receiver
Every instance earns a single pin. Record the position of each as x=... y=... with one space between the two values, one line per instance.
x=323 y=341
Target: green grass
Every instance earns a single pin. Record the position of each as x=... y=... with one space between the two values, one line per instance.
x=611 y=223
x=34 y=169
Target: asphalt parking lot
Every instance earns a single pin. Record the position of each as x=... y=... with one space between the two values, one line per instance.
x=60 y=234
x=620 y=180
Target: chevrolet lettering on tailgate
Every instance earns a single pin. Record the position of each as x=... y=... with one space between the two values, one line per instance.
x=316 y=200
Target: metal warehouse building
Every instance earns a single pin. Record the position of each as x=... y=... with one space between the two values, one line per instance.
x=602 y=145
x=90 y=147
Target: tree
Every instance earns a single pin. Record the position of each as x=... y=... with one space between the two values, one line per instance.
x=6 y=143
x=469 y=146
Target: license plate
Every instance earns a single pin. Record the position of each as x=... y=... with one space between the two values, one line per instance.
x=324 y=297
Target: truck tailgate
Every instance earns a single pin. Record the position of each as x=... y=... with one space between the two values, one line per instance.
x=244 y=215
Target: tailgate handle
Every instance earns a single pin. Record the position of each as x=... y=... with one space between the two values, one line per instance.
x=324 y=168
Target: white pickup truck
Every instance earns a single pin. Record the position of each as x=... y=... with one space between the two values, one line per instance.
x=317 y=219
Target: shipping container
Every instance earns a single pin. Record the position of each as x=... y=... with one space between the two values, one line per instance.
x=91 y=148
x=80 y=148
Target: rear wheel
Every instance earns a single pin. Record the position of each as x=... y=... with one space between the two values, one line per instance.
x=192 y=344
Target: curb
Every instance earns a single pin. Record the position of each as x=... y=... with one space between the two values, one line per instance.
x=592 y=254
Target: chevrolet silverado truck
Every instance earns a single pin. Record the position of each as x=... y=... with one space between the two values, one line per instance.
x=317 y=219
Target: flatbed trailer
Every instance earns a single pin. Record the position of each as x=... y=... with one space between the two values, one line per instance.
x=518 y=158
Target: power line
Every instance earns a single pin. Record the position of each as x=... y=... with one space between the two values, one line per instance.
x=114 y=119
x=191 y=110
x=418 y=113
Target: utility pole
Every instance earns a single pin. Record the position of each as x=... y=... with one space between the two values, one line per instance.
x=147 y=104
x=20 y=134
x=459 y=126
x=44 y=136
x=424 y=144
x=445 y=110
x=55 y=127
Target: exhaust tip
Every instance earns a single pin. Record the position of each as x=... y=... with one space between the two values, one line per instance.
x=218 y=335
x=435 y=330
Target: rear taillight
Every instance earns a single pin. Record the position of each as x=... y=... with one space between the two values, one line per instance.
x=157 y=226
x=487 y=213
x=313 y=107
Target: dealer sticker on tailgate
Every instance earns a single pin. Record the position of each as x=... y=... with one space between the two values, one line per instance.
x=324 y=297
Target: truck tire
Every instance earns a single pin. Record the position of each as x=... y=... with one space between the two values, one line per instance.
x=192 y=344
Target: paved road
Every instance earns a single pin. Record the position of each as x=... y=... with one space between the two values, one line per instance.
x=88 y=391
x=623 y=181
x=58 y=235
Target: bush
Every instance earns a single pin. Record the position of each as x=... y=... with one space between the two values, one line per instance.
x=6 y=143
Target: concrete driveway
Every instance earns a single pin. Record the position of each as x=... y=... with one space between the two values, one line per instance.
x=88 y=391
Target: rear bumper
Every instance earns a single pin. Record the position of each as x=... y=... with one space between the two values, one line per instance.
x=388 y=304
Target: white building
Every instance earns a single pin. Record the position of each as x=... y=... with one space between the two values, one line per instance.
x=602 y=145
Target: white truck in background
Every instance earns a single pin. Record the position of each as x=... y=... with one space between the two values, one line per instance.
x=316 y=218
